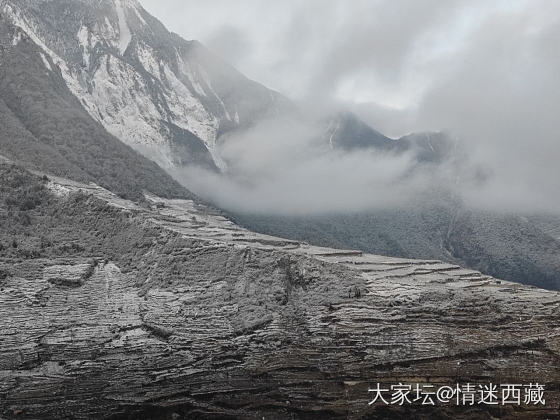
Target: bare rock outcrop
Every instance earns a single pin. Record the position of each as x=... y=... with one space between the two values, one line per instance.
x=213 y=321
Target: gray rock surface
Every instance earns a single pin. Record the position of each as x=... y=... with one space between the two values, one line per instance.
x=166 y=97
x=217 y=321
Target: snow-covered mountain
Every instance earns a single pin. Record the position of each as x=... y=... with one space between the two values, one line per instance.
x=168 y=98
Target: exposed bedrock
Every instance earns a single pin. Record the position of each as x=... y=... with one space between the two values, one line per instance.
x=222 y=322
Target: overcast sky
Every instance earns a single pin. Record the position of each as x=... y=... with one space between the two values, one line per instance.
x=487 y=71
x=383 y=51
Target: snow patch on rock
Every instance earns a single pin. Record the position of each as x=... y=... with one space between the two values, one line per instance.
x=208 y=83
x=87 y=41
x=147 y=57
x=17 y=38
x=46 y=62
x=186 y=70
x=123 y=104
x=188 y=112
x=125 y=35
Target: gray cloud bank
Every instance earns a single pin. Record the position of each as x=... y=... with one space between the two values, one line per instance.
x=489 y=72
x=280 y=167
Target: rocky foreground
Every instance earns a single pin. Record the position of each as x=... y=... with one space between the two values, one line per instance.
x=204 y=319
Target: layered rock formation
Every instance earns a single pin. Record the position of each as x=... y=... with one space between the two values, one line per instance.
x=199 y=318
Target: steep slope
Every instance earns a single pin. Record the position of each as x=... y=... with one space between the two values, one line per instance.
x=168 y=98
x=73 y=70
x=347 y=132
x=432 y=147
x=45 y=127
x=111 y=310
x=506 y=246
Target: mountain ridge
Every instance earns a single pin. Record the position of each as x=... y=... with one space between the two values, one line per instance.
x=70 y=103
x=45 y=127
x=170 y=99
x=166 y=97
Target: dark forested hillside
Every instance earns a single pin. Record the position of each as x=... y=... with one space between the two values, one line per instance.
x=504 y=246
x=36 y=224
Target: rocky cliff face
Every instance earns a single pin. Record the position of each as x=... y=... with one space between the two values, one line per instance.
x=45 y=127
x=173 y=311
x=168 y=98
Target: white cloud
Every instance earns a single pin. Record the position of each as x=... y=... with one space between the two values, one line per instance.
x=485 y=71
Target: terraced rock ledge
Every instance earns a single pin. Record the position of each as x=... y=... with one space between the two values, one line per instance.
x=209 y=320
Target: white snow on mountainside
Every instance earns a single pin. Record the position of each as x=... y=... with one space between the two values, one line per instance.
x=156 y=92
x=124 y=31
